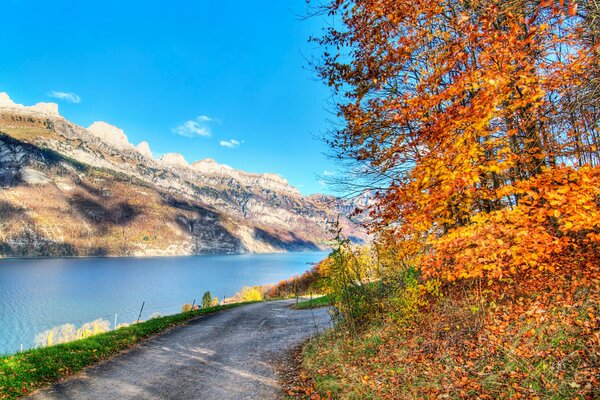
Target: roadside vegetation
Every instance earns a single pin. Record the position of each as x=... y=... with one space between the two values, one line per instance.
x=68 y=333
x=316 y=302
x=307 y=284
x=254 y=293
x=406 y=336
x=474 y=128
x=22 y=373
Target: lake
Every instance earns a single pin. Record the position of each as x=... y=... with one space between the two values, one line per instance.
x=37 y=294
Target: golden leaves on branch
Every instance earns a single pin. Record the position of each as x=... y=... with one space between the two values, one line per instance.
x=466 y=109
x=558 y=214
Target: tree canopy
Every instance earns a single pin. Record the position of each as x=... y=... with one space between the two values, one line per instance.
x=477 y=122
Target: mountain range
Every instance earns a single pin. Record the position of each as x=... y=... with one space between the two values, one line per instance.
x=66 y=190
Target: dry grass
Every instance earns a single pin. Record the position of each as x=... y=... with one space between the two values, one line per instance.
x=28 y=134
x=460 y=348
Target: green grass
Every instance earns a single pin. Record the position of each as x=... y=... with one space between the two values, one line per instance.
x=22 y=373
x=317 y=302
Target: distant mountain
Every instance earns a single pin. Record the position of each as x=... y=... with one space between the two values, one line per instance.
x=72 y=191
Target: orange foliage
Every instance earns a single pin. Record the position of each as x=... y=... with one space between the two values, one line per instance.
x=558 y=214
x=299 y=285
x=479 y=124
x=466 y=111
x=535 y=338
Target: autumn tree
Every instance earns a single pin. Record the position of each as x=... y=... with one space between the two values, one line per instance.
x=477 y=124
x=450 y=106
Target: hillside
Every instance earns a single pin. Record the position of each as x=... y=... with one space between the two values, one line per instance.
x=71 y=191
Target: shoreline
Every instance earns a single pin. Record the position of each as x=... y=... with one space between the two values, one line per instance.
x=2 y=258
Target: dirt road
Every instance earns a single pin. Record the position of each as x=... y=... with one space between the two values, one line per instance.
x=227 y=355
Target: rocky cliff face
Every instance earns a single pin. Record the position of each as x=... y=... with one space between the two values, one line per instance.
x=66 y=190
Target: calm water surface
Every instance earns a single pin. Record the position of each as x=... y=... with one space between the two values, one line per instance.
x=37 y=294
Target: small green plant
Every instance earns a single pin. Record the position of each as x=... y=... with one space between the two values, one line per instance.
x=321 y=301
x=207 y=300
x=21 y=373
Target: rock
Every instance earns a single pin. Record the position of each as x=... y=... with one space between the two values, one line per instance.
x=174 y=160
x=34 y=177
x=267 y=181
x=5 y=101
x=144 y=149
x=209 y=165
x=109 y=134
x=45 y=108
x=187 y=209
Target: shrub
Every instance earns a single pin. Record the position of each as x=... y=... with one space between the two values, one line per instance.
x=249 y=294
x=186 y=308
x=309 y=281
x=554 y=226
x=93 y=328
x=155 y=315
x=207 y=300
x=68 y=333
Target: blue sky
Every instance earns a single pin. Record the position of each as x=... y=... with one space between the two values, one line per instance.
x=226 y=80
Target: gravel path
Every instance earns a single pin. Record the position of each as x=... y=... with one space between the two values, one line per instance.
x=227 y=355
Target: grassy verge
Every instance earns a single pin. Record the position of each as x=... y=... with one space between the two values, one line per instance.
x=322 y=301
x=461 y=349
x=24 y=372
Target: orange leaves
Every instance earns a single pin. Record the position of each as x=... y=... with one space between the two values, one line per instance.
x=450 y=103
x=534 y=339
x=462 y=116
x=558 y=212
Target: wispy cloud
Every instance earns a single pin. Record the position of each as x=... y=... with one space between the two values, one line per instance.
x=69 y=97
x=205 y=118
x=328 y=173
x=231 y=144
x=195 y=127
